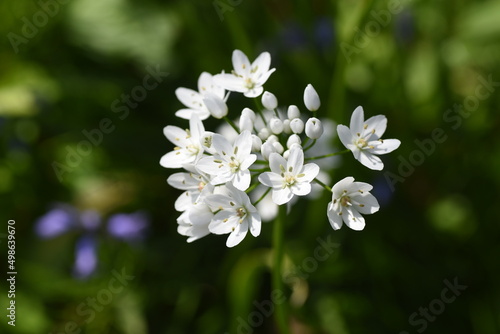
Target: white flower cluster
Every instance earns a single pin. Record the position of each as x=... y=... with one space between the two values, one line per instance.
x=265 y=148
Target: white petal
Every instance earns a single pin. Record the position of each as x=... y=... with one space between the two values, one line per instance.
x=196 y=128
x=310 y=171
x=218 y=202
x=244 y=145
x=198 y=232
x=208 y=165
x=345 y=135
x=231 y=82
x=340 y=186
x=219 y=224
x=275 y=161
x=174 y=159
x=371 y=161
x=222 y=146
x=200 y=214
x=369 y=202
x=262 y=77
x=301 y=188
x=357 y=120
x=387 y=146
x=357 y=188
x=377 y=123
x=254 y=92
x=241 y=64
x=271 y=179
x=248 y=161
x=261 y=64
x=206 y=84
x=295 y=160
x=282 y=196
x=238 y=234
x=184 y=201
x=188 y=113
x=189 y=98
x=241 y=180
x=353 y=219
x=255 y=225
x=334 y=219
x=176 y=135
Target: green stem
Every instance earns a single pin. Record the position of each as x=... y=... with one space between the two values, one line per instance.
x=262 y=197
x=232 y=124
x=327 y=155
x=312 y=144
x=277 y=279
x=323 y=185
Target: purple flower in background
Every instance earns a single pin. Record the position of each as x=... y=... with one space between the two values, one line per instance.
x=85 y=257
x=64 y=218
x=128 y=227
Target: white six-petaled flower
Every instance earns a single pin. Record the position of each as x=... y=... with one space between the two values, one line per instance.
x=289 y=177
x=188 y=149
x=235 y=214
x=246 y=78
x=194 y=100
x=363 y=138
x=349 y=201
x=231 y=162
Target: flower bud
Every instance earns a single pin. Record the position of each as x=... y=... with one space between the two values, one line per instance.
x=297 y=125
x=293 y=112
x=286 y=126
x=293 y=139
x=264 y=133
x=215 y=105
x=286 y=154
x=272 y=139
x=269 y=101
x=278 y=147
x=276 y=125
x=247 y=112
x=314 y=128
x=256 y=143
x=245 y=123
x=311 y=98
x=266 y=149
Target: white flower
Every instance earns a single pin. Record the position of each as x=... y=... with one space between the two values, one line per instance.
x=231 y=162
x=236 y=215
x=194 y=223
x=188 y=149
x=311 y=98
x=276 y=125
x=246 y=78
x=289 y=178
x=363 y=139
x=314 y=128
x=193 y=100
x=196 y=186
x=349 y=200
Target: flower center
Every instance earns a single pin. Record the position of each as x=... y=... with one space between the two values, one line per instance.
x=361 y=143
x=241 y=212
x=345 y=201
x=201 y=185
x=249 y=83
x=193 y=149
x=290 y=180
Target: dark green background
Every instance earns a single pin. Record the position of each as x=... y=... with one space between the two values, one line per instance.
x=441 y=223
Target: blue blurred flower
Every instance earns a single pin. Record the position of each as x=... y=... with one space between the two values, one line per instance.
x=64 y=218
x=128 y=227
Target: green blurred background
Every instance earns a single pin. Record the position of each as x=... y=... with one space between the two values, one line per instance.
x=414 y=61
